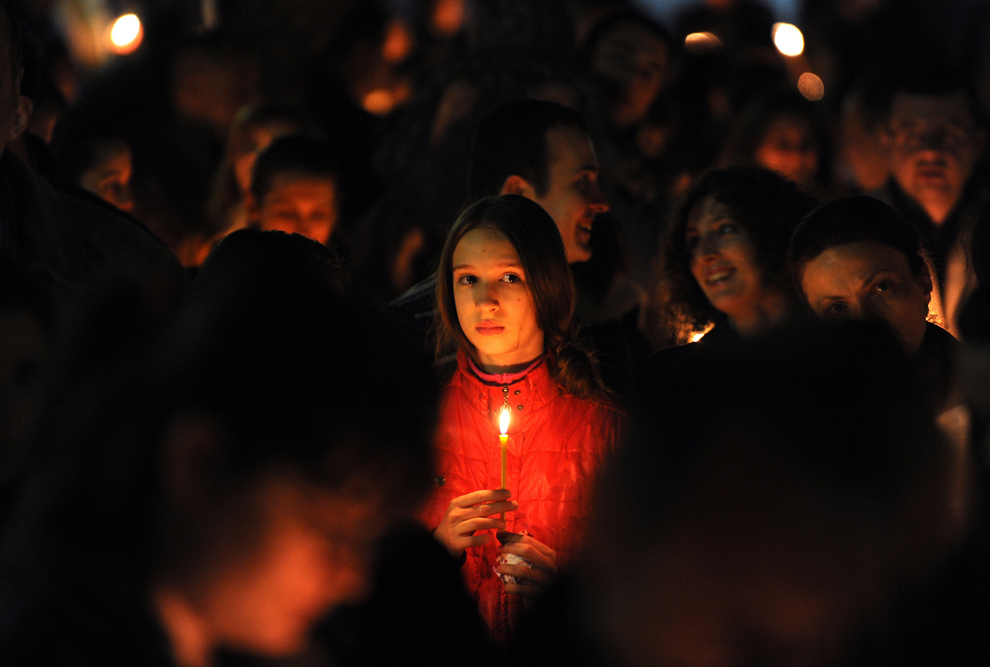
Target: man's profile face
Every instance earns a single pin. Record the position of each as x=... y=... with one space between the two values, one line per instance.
x=934 y=146
x=573 y=197
x=9 y=84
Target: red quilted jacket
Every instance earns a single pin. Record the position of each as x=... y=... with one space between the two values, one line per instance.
x=557 y=444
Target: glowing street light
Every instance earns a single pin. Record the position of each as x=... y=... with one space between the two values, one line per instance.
x=788 y=39
x=126 y=34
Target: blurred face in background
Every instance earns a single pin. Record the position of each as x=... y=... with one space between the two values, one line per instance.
x=789 y=148
x=210 y=86
x=299 y=203
x=637 y=60
x=934 y=145
x=110 y=177
x=248 y=143
x=280 y=554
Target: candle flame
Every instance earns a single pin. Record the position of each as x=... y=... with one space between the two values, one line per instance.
x=503 y=421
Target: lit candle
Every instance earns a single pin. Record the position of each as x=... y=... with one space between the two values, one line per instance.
x=503 y=442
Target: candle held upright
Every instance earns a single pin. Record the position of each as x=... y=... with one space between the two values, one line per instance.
x=503 y=443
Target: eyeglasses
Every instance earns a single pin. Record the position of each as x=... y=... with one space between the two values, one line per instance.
x=933 y=136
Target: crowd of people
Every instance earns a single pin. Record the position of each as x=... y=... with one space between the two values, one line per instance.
x=474 y=331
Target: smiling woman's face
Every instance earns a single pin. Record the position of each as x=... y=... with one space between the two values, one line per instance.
x=494 y=305
x=723 y=259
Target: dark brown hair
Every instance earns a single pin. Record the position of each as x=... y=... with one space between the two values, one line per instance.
x=533 y=234
x=512 y=139
x=854 y=220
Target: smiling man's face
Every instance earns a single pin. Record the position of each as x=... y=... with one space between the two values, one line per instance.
x=573 y=197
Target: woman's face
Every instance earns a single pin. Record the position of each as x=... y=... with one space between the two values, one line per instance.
x=869 y=279
x=494 y=304
x=723 y=259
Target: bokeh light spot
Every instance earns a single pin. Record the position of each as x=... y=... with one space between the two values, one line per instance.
x=788 y=39
x=398 y=42
x=811 y=86
x=126 y=33
x=379 y=101
x=701 y=43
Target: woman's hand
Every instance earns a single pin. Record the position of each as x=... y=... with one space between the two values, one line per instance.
x=538 y=578
x=470 y=513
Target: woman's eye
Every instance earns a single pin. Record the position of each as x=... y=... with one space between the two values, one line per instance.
x=467 y=279
x=835 y=310
x=883 y=285
x=727 y=228
x=510 y=278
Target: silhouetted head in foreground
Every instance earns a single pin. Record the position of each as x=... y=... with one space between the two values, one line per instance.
x=234 y=475
x=767 y=505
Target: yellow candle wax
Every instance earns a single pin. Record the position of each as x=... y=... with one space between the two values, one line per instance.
x=503 y=445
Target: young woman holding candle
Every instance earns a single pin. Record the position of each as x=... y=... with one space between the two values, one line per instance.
x=506 y=301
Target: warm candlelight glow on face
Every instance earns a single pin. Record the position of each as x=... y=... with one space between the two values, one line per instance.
x=503 y=421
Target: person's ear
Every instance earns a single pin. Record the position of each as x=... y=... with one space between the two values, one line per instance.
x=192 y=449
x=517 y=185
x=22 y=116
